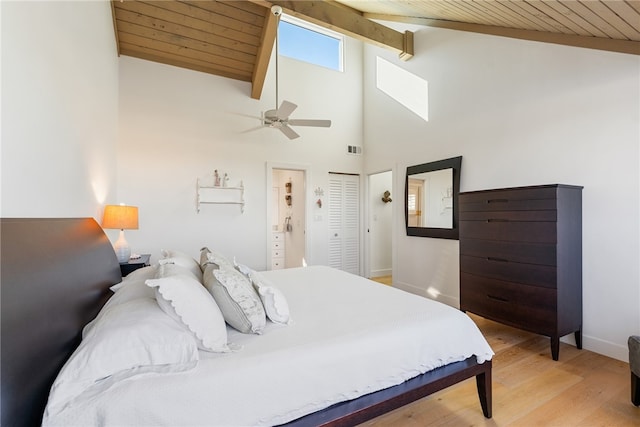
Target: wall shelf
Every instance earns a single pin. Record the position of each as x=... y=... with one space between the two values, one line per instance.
x=217 y=195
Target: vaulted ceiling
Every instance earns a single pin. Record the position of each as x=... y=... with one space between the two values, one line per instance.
x=235 y=38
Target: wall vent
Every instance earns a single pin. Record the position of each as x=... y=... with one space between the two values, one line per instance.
x=354 y=149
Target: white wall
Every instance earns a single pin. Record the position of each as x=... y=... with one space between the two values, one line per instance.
x=380 y=220
x=59 y=108
x=523 y=113
x=176 y=125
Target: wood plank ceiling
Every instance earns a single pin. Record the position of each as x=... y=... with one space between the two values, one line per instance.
x=234 y=39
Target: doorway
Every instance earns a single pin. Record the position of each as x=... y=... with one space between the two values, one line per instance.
x=286 y=238
x=380 y=226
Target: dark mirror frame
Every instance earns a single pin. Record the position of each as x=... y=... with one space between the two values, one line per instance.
x=454 y=163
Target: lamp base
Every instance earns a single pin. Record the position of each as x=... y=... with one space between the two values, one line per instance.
x=122 y=249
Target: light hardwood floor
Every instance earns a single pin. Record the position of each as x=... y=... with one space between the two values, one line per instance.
x=530 y=389
x=387 y=280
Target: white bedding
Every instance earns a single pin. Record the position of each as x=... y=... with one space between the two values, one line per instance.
x=348 y=337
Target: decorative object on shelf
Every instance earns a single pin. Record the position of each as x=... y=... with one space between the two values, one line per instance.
x=319 y=203
x=216 y=178
x=225 y=179
x=124 y=218
x=386 y=197
x=219 y=195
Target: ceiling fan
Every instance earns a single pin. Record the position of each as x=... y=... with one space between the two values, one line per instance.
x=278 y=118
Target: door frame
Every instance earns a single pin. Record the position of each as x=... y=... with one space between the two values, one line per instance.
x=306 y=170
x=367 y=225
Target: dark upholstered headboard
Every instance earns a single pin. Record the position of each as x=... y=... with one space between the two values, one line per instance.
x=54 y=278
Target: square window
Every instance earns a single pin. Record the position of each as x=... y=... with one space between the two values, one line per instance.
x=310 y=43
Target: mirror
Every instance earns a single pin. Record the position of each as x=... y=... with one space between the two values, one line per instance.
x=431 y=199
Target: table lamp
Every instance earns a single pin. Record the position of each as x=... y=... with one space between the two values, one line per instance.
x=124 y=218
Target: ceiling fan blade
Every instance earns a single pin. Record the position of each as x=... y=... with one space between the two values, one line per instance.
x=306 y=122
x=285 y=110
x=290 y=133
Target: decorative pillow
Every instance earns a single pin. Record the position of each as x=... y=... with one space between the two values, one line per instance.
x=204 y=260
x=182 y=259
x=220 y=260
x=274 y=302
x=188 y=302
x=238 y=301
x=242 y=268
x=131 y=339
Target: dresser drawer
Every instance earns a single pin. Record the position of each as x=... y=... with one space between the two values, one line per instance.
x=501 y=269
x=277 y=245
x=510 y=216
x=540 y=198
x=510 y=231
x=277 y=264
x=277 y=253
x=530 y=253
x=528 y=307
x=278 y=237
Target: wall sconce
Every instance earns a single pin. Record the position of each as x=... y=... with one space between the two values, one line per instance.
x=124 y=218
x=287 y=198
x=386 y=197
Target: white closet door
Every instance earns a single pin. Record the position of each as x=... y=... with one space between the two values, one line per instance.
x=344 y=222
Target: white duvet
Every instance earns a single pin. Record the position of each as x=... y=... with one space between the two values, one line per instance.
x=348 y=337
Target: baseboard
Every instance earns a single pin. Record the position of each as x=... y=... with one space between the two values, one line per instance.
x=445 y=299
x=606 y=348
x=381 y=272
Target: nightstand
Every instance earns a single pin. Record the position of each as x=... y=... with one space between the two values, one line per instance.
x=134 y=264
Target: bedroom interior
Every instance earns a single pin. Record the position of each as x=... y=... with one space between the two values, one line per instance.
x=118 y=129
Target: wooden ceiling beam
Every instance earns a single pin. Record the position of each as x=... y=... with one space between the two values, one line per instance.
x=349 y=22
x=264 y=54
x=611 y=45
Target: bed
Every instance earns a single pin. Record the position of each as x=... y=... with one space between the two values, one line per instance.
x=56 y=276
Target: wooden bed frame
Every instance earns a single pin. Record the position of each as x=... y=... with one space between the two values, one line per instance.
x=55 y=277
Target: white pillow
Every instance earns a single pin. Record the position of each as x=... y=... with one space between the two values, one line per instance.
x=187 y=301
x=274 y=302
x=130 y=339
x=238 y=301
x=144 y=273
x=168 y=270
x=182 y=259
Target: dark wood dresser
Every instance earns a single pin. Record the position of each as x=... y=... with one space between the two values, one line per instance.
x=521 y=258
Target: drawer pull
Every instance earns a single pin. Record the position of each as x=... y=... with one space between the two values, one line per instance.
x=497 y=298
x=490 y=258
x=497 y=220
x=497 y=200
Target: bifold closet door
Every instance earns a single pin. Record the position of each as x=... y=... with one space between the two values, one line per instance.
x=344 y=222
